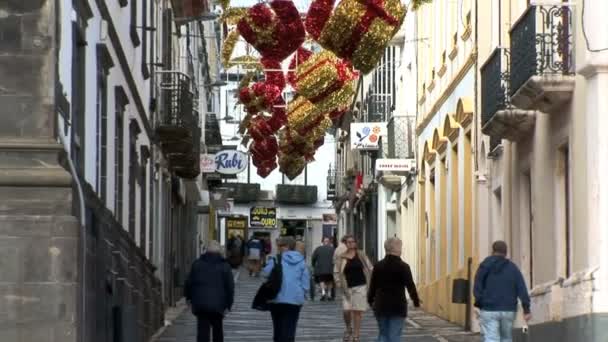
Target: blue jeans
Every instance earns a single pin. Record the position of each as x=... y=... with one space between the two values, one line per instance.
x=390 y=328
x=497 y=326
x=284 y=321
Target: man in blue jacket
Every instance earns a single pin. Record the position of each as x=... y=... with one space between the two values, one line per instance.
x=209 y=289
x=498 y=284
x=285 y=308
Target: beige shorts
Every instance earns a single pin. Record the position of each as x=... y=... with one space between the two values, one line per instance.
x=355 y=299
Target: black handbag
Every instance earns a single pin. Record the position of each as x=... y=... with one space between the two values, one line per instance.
x=270 y=288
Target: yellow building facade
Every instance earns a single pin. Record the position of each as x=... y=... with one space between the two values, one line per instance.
x=444 y=193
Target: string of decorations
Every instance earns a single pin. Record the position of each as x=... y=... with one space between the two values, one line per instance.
x=353 y=35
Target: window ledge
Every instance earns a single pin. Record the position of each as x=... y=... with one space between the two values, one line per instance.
x=453 y=53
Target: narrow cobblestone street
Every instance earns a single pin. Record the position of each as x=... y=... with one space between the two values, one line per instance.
x=319 y=321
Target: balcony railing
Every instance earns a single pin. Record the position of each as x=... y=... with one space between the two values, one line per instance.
x=244 y=192
x=331 y=185
x=187 y=165
x=494 y=84
x=500 y=119
x=174 y=128
x=542 y=51
x=178 y=127
x=296 y=194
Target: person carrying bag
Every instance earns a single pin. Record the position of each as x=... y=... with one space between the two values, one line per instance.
x=294 y=283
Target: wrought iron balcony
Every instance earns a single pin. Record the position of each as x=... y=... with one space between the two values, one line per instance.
x=243 y=192
x=174 y=128
x=331 y=184
x=542 y=60
x=500 y=120
x=188 y=164
x=296 y=194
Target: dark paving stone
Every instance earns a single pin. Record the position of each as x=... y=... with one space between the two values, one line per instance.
x=319 y=321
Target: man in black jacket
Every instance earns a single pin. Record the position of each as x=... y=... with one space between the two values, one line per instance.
x=386 y=294
x=209 y=289
x=498 y=284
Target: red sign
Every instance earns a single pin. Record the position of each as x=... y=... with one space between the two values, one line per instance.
x=189 y=10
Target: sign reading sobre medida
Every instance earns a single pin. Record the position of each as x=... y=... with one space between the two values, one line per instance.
x=263 y=217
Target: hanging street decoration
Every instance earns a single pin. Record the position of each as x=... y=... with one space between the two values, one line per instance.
x=357 y=30
x=354 y=35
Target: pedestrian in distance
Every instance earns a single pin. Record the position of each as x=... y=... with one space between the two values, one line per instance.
x=301 y=247
x=354 y=273
x=498 y=285
x=267 y=249
x=285 y=308
x=209 y=290
x=323 y=264
x=390 y=278
x=339 y=250
x=254 y=255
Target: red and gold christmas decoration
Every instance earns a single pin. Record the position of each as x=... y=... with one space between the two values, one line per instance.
x=259 y=97
x=325 y=80
x=336 y=115
x=301 y=56
x=264 y=154
x=275 y=30
x=291 y=165
x=357 y=30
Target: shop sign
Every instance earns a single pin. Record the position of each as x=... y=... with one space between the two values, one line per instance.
x=366 y=135
x=207 y=163
x=403 y=165
x=230 y=162
x=236 y=226
x=263 y=217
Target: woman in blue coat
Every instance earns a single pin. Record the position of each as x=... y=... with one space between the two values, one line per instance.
x=285 y=308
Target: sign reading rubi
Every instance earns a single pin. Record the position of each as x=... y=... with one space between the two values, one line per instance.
x=230 y=162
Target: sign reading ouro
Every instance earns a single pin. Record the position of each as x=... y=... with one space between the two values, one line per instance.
x=365 y=135
x=230 y=162
x=263 y=217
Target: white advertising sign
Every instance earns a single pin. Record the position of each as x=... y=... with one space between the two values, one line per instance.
x=230 y=162
x=395 y=164
x=207 y=163
x=365 y=135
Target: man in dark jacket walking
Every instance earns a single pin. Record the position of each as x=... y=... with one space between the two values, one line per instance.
x=323 y=264
x=498 y=284
x=210 y=291
x=386 y=294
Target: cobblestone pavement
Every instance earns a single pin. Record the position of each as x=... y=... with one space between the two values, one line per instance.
x=319 y=321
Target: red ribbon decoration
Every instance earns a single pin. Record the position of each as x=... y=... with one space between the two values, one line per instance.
x=318 y=14
x=375 y=9
x=287 y=29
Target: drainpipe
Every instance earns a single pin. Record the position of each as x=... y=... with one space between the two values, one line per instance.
x=83 y=233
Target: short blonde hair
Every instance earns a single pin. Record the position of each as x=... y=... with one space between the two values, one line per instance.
x=392 y=245
x=213 y=247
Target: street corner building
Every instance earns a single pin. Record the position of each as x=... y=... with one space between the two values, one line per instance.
x=103 y=119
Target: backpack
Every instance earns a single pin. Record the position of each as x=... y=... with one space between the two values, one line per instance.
x=270 y=288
